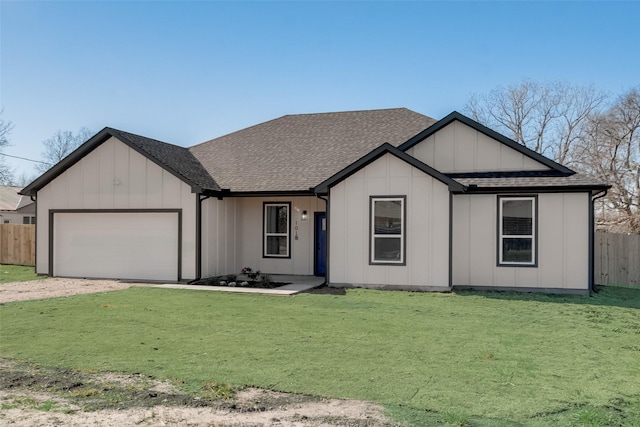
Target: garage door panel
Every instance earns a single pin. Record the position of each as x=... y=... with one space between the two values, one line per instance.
x=139 y=245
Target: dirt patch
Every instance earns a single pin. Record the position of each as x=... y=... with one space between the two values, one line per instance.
x=58 y=287
x=33 y=396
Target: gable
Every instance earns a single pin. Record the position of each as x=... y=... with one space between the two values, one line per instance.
x=390 y=175
x=425 y=221
x=111 y=176
x=176 y=160
x=459 y=148
x=387 y=150
x=458 y=145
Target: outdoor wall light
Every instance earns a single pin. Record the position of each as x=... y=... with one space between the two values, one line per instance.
x=304 y=215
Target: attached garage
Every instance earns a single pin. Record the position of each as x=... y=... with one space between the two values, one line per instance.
x=116 y=244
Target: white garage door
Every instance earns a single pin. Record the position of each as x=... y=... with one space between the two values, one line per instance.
x=131 y=245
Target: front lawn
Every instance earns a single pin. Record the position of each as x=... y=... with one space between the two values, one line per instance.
x=462 y=358
x=18 y=273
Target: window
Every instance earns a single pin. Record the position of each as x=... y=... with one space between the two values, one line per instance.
x=276 y=230
x=517 y=231
x=388 y=230
x=25 y=220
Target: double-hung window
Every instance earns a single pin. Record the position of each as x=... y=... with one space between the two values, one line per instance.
x=517 y=231
x=277 y=226
x=388 y=230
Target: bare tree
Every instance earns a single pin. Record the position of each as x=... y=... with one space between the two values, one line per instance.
x=546 y=118
x=6 y=171
x=60 y=145
x=579 y=127
x=610 y=151
x=23 y=179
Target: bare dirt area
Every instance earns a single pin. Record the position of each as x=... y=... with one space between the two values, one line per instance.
x=38 y=396
x=58 y=287
x=32 y=396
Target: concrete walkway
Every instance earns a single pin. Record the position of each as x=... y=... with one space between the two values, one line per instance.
x=296 y=285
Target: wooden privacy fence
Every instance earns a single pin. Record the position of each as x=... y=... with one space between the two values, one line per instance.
x=18 y=244
x=617 y=259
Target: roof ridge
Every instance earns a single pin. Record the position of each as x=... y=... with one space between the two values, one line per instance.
x=352 y=111
x=145 y=137
x=177 y=170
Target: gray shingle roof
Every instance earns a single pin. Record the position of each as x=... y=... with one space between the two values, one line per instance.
x=296 y=152
x=178 y=160
x=576 y=180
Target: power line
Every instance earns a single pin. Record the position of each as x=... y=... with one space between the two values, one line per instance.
x=23 y=158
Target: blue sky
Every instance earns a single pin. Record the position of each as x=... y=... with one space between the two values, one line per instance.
x=185 y=72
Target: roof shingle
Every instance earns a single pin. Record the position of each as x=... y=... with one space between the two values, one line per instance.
x=297 y=152
x=575 y=181
x=178 y=160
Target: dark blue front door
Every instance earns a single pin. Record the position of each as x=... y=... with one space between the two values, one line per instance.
x=320 y=220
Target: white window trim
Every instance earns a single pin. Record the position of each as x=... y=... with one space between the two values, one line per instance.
x=374 y=236
x=531 y=236
x=266 y=234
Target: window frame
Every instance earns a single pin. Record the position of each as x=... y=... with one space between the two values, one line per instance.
x=373 y=236
x=533 y=236
x=265 y=205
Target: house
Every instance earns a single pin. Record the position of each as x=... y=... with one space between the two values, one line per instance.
x=387 y=199
x=16 y=208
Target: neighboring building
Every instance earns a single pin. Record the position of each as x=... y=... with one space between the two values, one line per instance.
x=385 y=199
x=16 y=208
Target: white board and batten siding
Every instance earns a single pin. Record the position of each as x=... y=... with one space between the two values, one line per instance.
x=563 y=244
x=427 y=231
x=459 y=148
x=219 y=237
x=232 y=232
x=116 y=187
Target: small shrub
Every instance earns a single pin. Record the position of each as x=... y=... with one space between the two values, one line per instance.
x=231 y=277
x=266 y=281
x=250 y=273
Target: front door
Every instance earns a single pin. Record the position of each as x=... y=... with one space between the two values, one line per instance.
x=320 y=221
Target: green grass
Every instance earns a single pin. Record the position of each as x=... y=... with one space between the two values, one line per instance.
x=18 y=273
x=463 y=359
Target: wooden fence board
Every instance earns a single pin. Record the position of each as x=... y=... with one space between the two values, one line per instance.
x=18 y=244
x=617 y=259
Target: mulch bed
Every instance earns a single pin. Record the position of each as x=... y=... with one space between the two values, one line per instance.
x=215 y=281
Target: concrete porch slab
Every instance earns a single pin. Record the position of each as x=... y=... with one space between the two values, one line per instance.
x=296 y=285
